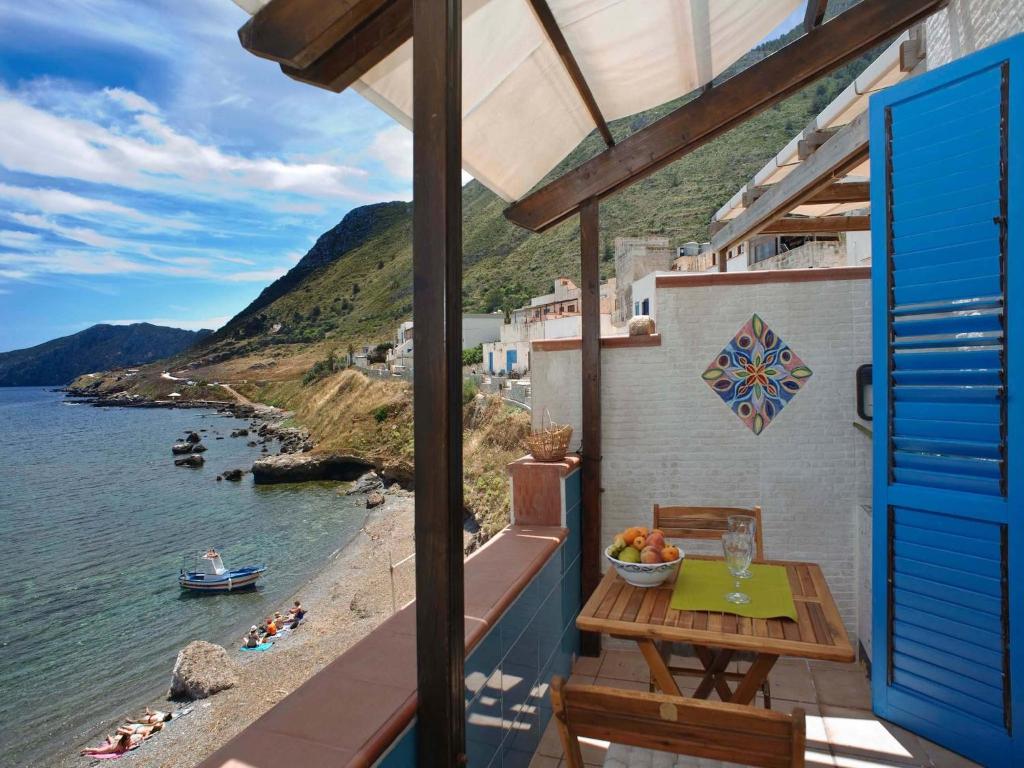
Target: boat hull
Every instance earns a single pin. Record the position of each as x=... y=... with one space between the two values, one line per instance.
x=232 y=581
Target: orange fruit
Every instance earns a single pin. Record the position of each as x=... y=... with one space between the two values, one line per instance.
x=670 y=553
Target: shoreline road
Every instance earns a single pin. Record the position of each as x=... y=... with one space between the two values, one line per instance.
x=238 y=395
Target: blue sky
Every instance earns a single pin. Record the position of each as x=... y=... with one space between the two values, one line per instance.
x=150 y=169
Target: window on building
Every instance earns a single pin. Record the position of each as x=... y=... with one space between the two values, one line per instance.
x=571 y=308
x=645 y=307
x=636 y=307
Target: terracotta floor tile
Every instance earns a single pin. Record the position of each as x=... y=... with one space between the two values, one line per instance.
x=857 y=736
x=550 y=742
x=588 y=665
x=543 y=761
x=943 y=758
x=792 y=682
x=624 y=665
x=842 y=687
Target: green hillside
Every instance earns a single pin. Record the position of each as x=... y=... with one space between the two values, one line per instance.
x=356 y=284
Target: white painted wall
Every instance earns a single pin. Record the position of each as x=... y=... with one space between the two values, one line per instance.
x=668 y=438
x=858 y=249
x=965 y=26
x=477 y=329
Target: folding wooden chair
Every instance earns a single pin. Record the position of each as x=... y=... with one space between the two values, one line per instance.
x=703 y=523
x=703 y=729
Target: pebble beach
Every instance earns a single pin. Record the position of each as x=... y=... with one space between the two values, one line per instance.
x=350 y=596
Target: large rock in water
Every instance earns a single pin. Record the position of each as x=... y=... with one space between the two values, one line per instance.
x=193 y=460
x=179 y=448
x=201 y=670
x=300 y=467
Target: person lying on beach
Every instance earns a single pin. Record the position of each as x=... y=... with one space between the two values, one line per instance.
x=141 y=729
x=151 y=716
x=252 y=639
x=112 y=746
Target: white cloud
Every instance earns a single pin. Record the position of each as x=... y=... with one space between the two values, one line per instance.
x=59 y=202
x=148 y=154
x=10 y=238
x=65 y=261
x=255 y=276
x=131 y=100
x=392 y=147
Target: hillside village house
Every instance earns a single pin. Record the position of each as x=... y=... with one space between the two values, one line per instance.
x=897 y=536
x=477 y=329
x=554 y=315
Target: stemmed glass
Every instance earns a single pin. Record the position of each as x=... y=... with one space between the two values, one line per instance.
x=738 y=549
x=746 y=525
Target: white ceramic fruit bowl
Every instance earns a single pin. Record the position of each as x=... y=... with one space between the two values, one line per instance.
x=644 y=574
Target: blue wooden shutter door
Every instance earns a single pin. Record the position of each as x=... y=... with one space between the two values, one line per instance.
x=948 y=348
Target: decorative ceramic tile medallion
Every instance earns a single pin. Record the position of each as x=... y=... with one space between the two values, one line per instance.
x=756 y=374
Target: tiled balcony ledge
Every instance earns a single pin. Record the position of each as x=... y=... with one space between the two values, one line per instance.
x=607 y=342
x=694 y=280
x=351 y=712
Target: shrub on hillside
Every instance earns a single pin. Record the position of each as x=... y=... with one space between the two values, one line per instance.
x=473 y=355
x=322 y=368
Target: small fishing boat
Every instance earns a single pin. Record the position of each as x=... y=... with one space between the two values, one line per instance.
x=210 y=575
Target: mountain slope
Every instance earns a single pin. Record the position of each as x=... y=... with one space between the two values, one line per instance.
x=99 y=348
x=356 y=286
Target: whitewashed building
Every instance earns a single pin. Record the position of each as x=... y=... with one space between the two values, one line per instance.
x=477 y=329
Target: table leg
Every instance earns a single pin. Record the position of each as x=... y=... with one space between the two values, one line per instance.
x=751 y=682
x=714 y=666
x=659 y=669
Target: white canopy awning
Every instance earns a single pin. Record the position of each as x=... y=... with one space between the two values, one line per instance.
x=522 y=114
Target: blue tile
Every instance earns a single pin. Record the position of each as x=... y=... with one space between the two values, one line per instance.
x=573 y=489
x=519 y=615
x=570 y=646
x=572 y=541
x=518 y=673
x=485 y=729
x=523 y=740
x=571 y=593
x=549 y=626
x=482 y=662
x=403 y=754
x=550 y=575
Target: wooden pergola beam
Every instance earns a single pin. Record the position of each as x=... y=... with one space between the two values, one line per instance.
x=719 y=109
x=364 y=48
x=572 y=67
x=837 y=156
x=814 y=14
x=437 y=385
x=813 y=225
x=298 y=32
x=835 y=193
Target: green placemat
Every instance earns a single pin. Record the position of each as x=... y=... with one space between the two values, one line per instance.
x=703 y=584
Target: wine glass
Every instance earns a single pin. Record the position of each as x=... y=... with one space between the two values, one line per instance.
x=746 y=525
x=738 y=549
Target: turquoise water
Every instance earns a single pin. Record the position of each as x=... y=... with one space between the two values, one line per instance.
x=94 y=521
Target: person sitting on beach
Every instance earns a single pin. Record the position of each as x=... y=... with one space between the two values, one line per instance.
x=296 y=614
x=252 y=640
x=278 y=619
x=151 y=716
x=271 y=628
x=112 y=746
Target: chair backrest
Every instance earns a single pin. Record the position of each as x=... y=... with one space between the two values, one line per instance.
x=706 y=729
x=705 y=523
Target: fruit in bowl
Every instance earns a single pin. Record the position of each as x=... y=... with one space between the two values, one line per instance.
x=643 y=557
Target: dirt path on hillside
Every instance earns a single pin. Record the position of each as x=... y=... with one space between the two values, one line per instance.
x=239 y=396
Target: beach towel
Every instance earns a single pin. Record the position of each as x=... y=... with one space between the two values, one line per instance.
x=260 y=647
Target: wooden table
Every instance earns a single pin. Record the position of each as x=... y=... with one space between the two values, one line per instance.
x=644 y=615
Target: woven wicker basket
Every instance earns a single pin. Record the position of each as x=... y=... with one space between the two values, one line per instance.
x=550 y=442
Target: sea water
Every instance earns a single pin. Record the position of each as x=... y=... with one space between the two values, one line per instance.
x=94 y=522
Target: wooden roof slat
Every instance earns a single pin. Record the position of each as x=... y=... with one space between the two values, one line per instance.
x=364 y=48
x=815 y=14
x=843 y=151
x=719 y=109
x=298 y=32
x=791 y=225
x=572 y=67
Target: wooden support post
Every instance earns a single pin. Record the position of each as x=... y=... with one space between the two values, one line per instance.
x=590 y=309
x=437 y=384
